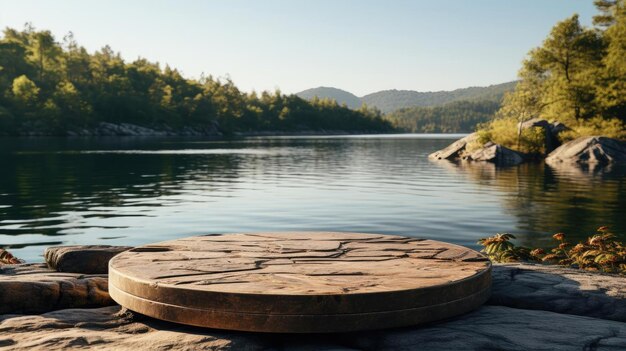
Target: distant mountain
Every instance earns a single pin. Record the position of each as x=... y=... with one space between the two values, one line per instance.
x=391 y=100
x=454 y=117
x=341 y=96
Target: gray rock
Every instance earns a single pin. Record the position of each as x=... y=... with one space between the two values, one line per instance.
x=34 y=288
x=557 y=128
x=488 y=328
x=503 y=328
x=562 y=290
x=128 y=129
x=454 y=150
x=89 y=259
x=535 y=291
x=534 y=122
x=594 y=150
x=497 y=154
x=551 y=131
x=111 y=328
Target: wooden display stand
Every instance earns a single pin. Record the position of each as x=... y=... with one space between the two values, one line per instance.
x=300 y=282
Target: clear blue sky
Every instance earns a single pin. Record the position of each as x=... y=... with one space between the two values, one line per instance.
x=360 y=46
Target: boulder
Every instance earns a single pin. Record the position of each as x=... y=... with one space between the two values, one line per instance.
x=35 y=288
x=557 y=289
x=498 y=154
x=488 y=328
x=454 y=150
x=88 y=259
x=557 y=127
x=593 y=150
x=551 y=131
x=534 y=122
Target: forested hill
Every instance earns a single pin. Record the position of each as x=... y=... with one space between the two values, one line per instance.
x=456 y=111
x=391 y=100
x=341 y=96
x=453 y=117
x=54 y=88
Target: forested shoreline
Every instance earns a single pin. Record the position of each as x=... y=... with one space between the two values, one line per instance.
x=58 y=88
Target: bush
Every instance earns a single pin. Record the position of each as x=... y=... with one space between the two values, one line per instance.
x=612 y=128
x=600 y=252
x=503 y=131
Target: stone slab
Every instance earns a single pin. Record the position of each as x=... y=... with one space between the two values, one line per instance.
x=88 y=259
x=488 y=328
x=558 y=289
x=34 y=288
x=300 y=282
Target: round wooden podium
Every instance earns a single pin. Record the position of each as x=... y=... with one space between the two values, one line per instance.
x=300 y=282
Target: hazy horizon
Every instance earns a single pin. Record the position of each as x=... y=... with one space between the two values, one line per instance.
x=360 y=47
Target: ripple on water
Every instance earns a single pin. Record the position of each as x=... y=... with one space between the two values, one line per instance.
x=159 y=190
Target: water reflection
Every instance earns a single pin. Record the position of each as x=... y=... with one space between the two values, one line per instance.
x=545 y=199
x=132 y=191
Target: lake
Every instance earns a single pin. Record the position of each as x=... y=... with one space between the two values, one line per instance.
x=131 y=191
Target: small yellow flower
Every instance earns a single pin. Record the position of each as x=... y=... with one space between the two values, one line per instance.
x=559 y=236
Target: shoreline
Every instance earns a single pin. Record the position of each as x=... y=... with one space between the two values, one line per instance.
x=237 y=135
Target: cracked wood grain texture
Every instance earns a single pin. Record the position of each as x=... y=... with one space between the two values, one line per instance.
x=300 y=281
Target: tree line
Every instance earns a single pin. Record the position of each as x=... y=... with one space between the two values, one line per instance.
x=53 y=87
x=453 y=117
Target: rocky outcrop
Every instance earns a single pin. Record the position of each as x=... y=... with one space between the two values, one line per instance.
x=594 y=150
x=562 y=290
x=128 y=129
x=34 y=288
x=488 y=328
x=551 y=131
x=501 y=328
x=532 y=307
x=495 y=153
x=88 y=259
x=454 y=150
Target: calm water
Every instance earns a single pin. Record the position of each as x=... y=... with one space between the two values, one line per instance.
x=136 y=191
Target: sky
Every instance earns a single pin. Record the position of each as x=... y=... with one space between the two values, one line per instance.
x=362 y=46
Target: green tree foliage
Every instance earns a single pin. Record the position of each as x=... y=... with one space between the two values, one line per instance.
x=578 y=77
x=51 y=87
x=454 y=117
x=25 y=91
x=612 y=90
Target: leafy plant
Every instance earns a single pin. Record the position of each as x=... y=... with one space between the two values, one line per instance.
x=600 y=252
x=499 y=248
